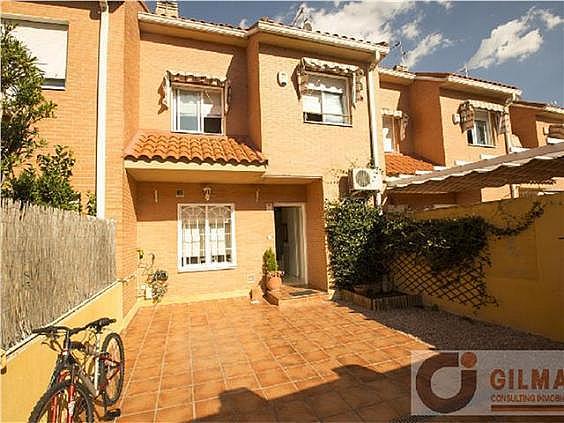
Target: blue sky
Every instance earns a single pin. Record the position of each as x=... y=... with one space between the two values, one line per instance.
x=520 y=43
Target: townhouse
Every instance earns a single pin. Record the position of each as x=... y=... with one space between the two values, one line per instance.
x=209 y=143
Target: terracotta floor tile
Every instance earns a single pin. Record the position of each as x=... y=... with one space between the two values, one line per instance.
x=206 y=375
x=272 y=377
x=261 y=414
x=263 y=365
x=209 y=390
x=137 y=418
x=175 y=397
x=291 y=360
x=327 y=404
x=139 y=403
x=281 y=392
x=180 y=380
x=143 y=386
x=359 y=395
x=301 y=372
x=351 y=359
x=347 y=417
x=147 y=372
x=381 y=412
x=317 y=355
x=237 y=369
x=178 y=414
x=282 y=350
x=245 y=401
x=244 y=381
x=313 y=386
x=375 y=356
x=295 y=411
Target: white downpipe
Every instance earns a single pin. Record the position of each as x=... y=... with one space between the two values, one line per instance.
x=101 y=110
x=373 y=122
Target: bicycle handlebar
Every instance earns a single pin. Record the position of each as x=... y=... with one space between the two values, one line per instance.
x=96 y=324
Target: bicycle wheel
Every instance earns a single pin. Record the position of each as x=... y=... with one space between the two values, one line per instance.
x=55 y=404
x=112 y=368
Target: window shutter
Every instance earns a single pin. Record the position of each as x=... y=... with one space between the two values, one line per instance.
x=47 y=42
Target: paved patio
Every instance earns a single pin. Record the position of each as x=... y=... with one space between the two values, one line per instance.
x=228 y=360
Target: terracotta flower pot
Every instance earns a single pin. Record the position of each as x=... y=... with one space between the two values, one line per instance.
x=273 y=283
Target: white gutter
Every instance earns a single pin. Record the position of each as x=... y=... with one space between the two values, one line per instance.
x=372 y=120
x=101 y=110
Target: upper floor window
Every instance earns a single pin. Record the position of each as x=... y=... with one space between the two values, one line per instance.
x=198 y=110
x=481 y=133
x=390 y=134
x=326 y=100
x=48 y=43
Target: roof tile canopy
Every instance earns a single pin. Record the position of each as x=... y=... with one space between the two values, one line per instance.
x=167 y=146
x=397 y=163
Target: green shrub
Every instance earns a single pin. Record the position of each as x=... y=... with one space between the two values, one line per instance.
x=269 y=263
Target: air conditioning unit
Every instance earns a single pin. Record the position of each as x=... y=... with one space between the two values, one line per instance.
x=365 y=179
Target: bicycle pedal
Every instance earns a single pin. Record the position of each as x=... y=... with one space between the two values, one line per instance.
x=111 y=415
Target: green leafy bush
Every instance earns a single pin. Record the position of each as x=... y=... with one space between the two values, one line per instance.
x=364 y=242
x=269 y=263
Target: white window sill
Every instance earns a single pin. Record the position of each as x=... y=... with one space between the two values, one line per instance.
x=345 y=125
x=52 y=88
x=180 y=131
x=206 y=268
x=481 y=145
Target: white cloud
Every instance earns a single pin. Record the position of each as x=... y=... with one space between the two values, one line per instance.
x=243 y=23
x=447 y=4
x=550 y=20
x=364 y=20
x=515 y=39
x=428 y=45
x=411 y=30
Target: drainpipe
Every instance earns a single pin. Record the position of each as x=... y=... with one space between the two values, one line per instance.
x=101 y=110
x=507 y=137
x=373 y=122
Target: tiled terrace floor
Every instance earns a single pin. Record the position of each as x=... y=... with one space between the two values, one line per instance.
x=230 y=360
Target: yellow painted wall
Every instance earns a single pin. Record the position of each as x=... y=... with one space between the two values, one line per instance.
x=28 y=369
x=527 y=272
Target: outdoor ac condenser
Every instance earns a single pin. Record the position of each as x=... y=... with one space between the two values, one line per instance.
x=365 y=179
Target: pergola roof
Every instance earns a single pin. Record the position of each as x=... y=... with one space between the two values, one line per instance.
x=535 y=165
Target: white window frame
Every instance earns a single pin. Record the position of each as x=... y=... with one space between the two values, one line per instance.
x=346 y=102
x=394 y=135
x=207 y=266
x=490 y=138
x=192 y=88
x=58 y=84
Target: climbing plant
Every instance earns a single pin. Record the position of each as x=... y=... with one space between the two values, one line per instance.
x=363 y=242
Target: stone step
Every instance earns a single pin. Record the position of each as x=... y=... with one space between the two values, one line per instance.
x=290 y=296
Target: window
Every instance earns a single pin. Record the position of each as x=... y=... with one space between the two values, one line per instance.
x=326 y=100
x=198 y=110
x=48 y=43
x=390 y=128
x=481 y=133
x=206 y=238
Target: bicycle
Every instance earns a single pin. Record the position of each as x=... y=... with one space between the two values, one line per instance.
x=73 y=390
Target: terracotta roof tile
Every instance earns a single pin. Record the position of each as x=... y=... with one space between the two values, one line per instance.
x=168 y=146
x=397 y=163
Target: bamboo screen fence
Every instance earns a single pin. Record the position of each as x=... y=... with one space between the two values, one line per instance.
x=52 y=260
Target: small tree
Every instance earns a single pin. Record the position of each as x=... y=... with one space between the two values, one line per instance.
x=47 y=182
x=23 y=104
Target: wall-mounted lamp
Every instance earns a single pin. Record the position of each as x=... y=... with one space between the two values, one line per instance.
x=207 y=192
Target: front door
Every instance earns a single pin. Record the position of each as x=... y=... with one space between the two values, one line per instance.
x=289 y=225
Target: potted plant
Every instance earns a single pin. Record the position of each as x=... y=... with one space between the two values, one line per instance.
x=272 y=276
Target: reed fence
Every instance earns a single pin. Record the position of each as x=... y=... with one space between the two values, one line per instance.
x=52 y=261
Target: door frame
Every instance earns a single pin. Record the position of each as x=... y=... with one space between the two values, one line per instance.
x=303 y=234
